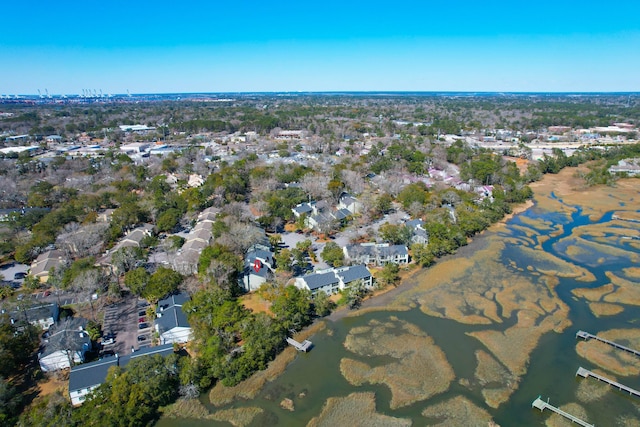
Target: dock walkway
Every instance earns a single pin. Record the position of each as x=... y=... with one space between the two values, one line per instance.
x=587 y=335
x=303 y=346
x=585 y=373
x=542 y=405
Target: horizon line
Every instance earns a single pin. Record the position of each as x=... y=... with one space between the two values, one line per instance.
x=298 y=92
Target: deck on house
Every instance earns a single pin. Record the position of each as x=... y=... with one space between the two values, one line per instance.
x=303 y=346
x=542 y=405
x=587 y=335
x=585 y=373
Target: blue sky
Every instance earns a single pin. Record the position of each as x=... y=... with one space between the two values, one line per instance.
x=241 y=45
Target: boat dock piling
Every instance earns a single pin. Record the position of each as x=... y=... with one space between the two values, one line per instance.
x=542 y=405
x=587 y=335
x=585 y=373
x=303 y=346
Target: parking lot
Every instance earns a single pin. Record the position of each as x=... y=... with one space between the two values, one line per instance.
x=122 y=324
x=13 y=274
x=145 y=326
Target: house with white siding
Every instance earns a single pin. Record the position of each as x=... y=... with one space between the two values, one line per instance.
x=171 y=323
x=66 y=344
x=85 y=378
x=376 y=253
x=334 y=280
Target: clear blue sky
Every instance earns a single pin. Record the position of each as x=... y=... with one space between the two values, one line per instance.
x=241 y=45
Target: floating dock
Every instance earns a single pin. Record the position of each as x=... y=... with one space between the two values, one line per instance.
x=300 y=346
x=585 y=373
x=587 y=335
x=542 y=405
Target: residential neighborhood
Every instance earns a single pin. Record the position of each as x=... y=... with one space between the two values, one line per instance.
x=172 y=236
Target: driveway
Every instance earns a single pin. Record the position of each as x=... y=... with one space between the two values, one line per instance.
x=290 y=240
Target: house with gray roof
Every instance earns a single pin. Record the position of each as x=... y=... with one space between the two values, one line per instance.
x=350 y=203
x=334 y=280
x=67 y=344
x=134 y=237
x=85 y=378
x=186 y=260
x=320 y=214
x=41 y=315
x=420 y=235
x=323 y=281
x=302 y=209
x=171 y=322
x=354 y=273
x=258 y=267
x=376 y=253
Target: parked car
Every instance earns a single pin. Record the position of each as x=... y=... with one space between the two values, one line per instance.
x=46 y=293
x=141 y=320
x=141 y=338
x=142 y=313
x=19 y=275
x=143 y=325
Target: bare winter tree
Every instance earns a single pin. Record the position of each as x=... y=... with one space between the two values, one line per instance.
x=82 y=240
x=316 y=186
x=241 y=236
x=392 y=183
x=126 y=258
x=88 y=283
x=191 y=284
x=238 y=211
x=10 y=196
x=354 y=181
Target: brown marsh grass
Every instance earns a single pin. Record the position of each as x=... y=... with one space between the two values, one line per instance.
x=593 y=294
x=355 y=410
x=456 y=412
x=497 y=383
x=557 y=420
x=601 y=309
x=182 y=408
x=419 y=370
x=237 y=417
x=608 y=357
x=626 y=291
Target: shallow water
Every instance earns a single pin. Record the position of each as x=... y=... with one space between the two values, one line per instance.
x=314 y=377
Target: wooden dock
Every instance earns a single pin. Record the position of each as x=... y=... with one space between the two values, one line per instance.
x=585 y=373
x=542 y=405
x=587 y=335
x=300 y=346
